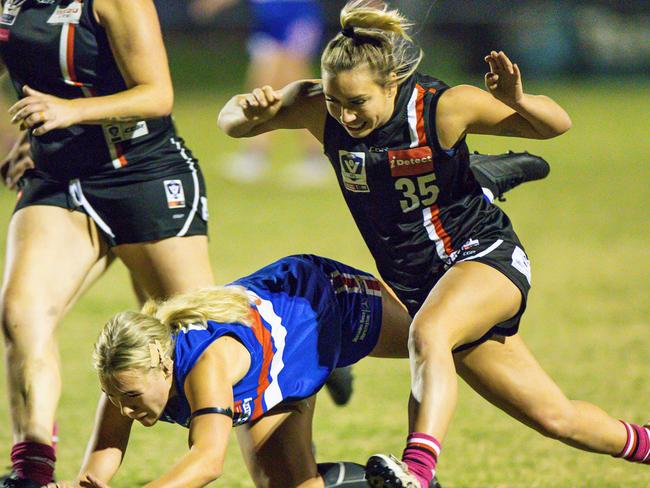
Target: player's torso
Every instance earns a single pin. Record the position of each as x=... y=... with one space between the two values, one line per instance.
x=414 y=202
x=57 y=47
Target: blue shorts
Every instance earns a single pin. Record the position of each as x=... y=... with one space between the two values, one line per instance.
x=291 y=25
x=338 y=305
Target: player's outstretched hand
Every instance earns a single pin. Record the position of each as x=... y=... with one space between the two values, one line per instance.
x=89 y=482
x=41 y=113
x=14 y=165
x=92 y=482
x=504 y=79
x=261 y=104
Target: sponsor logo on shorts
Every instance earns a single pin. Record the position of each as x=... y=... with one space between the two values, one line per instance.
x=175 y=193
x=353 y=171
x=11 y=11
x=411 y=162
x=70 y=14
x=470 y=244
x=521 y=263
x=364 y=322
x=4 y=35
x=242 y=411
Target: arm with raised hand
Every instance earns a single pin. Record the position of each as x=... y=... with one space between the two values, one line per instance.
x=299 y=105
x=136 y=41
x=504 y=109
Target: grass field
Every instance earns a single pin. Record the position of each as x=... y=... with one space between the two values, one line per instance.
x=586 y=229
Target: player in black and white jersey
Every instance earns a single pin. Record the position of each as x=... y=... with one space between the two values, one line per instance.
x=110 y=173
x=396 y=140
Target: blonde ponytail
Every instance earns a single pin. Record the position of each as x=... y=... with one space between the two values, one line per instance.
x=125 y=341
x=373 y=36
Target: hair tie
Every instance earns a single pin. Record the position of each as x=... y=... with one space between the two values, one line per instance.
x=155 y=353
x=348 y=31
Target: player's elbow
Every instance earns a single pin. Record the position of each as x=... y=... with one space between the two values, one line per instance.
x=164 y=104
x=564 y=125
x=558 y=127
x=211 y=465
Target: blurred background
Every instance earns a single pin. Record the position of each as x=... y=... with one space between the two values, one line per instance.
x=586 y=228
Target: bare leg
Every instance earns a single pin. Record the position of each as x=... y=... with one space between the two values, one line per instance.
x=506 y=374
x=50 y=250
x=467 y=301
x=169 y=266
x=395 y=324
x=278 y=448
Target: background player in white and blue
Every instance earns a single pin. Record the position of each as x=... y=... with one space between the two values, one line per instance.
x=284 y=41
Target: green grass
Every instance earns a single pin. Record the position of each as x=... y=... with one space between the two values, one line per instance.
x=586 y=229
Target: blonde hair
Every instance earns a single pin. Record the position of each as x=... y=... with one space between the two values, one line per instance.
x=373 y=36
x=142 y=340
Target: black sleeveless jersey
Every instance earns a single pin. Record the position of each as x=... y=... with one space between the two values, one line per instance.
x=415 y=204
x=57 y=47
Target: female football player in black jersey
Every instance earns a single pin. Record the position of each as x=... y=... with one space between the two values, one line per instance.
x=396 y=140
x=110 y=173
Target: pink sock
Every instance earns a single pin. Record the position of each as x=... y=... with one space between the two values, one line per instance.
x=637 y=446
x=421 y=455
x=33 y=461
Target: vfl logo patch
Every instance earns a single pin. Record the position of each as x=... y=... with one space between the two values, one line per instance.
x=11 y=11
x=66 y=15
x=175 y=194
x=411 y=162
x=353 y=171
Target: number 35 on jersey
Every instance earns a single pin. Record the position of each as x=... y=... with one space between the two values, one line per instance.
x=414 y=177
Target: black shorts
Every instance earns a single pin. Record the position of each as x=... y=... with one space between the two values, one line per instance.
x=508 y=257
x=141 y=206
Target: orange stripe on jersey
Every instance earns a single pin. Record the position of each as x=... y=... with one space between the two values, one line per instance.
x=419 y=111
x=70 y=53
x=120 y=155
x=263 y=335
x=440 y=230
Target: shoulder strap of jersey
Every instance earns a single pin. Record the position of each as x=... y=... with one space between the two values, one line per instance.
x=431 y=89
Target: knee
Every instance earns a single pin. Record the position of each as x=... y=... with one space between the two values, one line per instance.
x=426 y=336
x=559 y=424
x=25 y=325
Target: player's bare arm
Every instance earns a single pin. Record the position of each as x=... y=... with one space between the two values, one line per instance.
x=208 y=385
x=299 y=105
x=106 y=447
x=503 y=110
x=16 y=162
x=3 y=70
x=134 y=33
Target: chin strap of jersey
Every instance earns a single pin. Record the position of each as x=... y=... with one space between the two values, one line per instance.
x=210 y=410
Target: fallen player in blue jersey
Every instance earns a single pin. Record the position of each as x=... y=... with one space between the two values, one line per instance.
x=251 y=355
